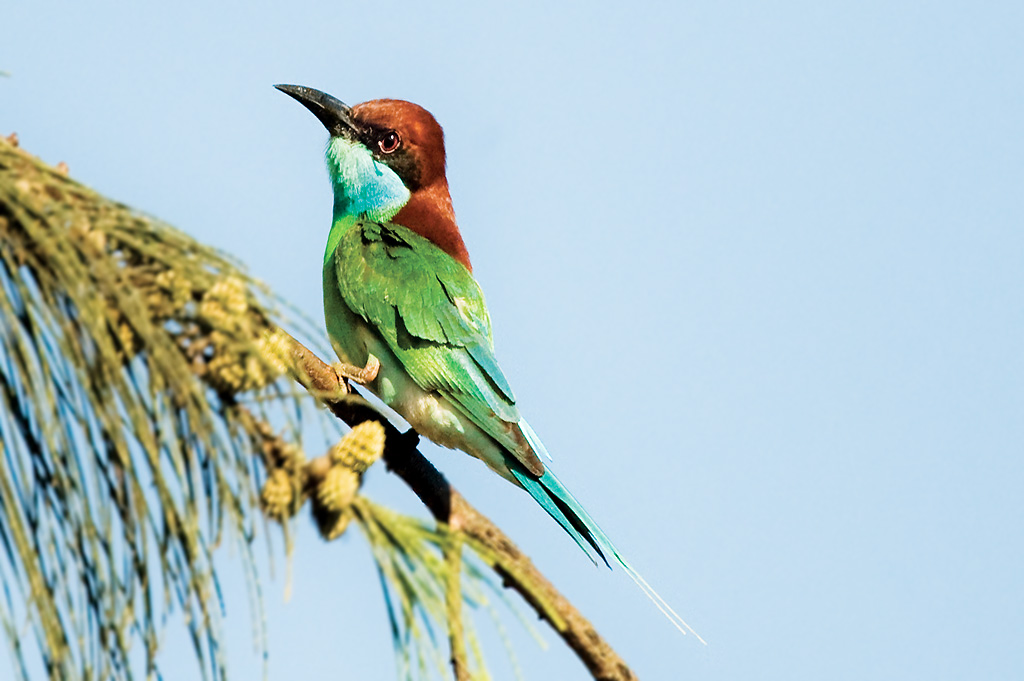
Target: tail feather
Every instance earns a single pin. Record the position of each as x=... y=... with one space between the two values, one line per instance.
x=560 y=504
x=550 y=503
x=534 y=440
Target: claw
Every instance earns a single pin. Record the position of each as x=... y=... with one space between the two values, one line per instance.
x=363 y=375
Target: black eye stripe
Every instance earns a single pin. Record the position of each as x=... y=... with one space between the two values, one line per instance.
x=400 y=159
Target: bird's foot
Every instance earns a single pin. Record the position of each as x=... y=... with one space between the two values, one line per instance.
x=361 y=375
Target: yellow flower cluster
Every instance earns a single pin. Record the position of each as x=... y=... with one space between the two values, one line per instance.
x=282 y=493
x=336 y=491
x=174 y=291
x=338 y=488
x=331 y=482
x=224 y=306
x=273 y=348
x=278 y=495
x=93 y=240
x=242 y=358
x=361 y=448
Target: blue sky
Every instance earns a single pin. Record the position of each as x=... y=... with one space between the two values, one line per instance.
x=755 y=271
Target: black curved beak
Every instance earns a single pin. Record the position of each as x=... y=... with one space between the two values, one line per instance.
x=332 y=112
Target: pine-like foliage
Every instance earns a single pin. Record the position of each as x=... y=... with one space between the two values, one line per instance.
x=126 y=452
x=144 y=420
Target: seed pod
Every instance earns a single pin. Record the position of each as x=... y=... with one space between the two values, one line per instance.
x=278 y=495
x=360 y=448
x=338 y=488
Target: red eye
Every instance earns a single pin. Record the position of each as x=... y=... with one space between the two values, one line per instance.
x=389 y=142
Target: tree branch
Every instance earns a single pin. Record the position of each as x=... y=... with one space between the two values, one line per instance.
x=448 y=506
x=119 y=279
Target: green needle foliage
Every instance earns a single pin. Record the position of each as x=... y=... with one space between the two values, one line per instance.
x=125 y=348
x=413 y=563
x=138 y=385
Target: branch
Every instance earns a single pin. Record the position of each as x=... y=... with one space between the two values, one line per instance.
x=448 y=506
x=143 y=321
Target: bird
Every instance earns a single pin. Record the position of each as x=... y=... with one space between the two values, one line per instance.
x=407 y=318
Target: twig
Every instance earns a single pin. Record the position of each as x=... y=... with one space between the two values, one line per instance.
x=453 y=603
x=448 y=506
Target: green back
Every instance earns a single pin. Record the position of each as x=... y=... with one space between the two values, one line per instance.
x=431 y=313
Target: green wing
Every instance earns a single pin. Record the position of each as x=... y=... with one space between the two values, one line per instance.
x=431 y=313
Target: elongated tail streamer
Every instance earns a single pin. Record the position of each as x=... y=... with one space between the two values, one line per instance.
x=560 y=504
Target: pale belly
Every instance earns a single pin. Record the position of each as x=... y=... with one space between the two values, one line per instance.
x=430 y=413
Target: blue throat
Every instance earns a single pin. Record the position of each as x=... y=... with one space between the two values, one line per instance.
x=363 y=186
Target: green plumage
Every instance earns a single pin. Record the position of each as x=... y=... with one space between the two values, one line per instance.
x=397 y=297
x=384 y=282
x=431 y=314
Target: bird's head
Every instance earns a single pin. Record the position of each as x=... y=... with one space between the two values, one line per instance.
x=386 y=161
